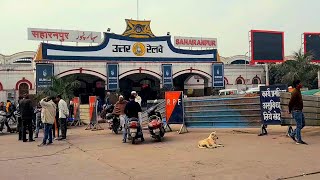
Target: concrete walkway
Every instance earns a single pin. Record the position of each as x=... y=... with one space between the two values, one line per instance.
x=101 y=155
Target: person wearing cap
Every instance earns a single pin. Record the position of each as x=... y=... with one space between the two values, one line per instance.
x=138 y=100
x=119 y=111
x=137 y=97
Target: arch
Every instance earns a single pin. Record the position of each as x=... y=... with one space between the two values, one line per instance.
x=194 y=71
x=256 y=80
x=1 y=87
x=23 y=80
x=140 y=70
x=226 y=81
x=82 y=71
x=23 y=88
x=240 y=80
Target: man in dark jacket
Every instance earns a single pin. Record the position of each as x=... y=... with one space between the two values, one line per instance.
x=19 y=125
x=132 y=110
x=26 y=110
x=295 y=108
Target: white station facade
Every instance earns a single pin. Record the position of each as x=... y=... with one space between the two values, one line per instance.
x=135 y=60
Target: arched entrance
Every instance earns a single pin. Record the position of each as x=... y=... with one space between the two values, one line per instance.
x=146 y=85
x=192 y=84
x=90 y=86
x=23 y=89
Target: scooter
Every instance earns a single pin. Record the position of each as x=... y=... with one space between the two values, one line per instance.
x=114 y=123
x=155 y=126
x=113 y=120
x=134 y=130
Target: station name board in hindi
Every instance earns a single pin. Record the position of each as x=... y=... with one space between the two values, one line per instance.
x=128 y=48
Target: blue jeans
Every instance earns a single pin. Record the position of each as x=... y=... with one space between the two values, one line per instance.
x=300 y=123
x=37 y=126
x=47 y=133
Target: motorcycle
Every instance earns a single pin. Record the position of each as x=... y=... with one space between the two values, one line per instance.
x=155 y=126
x=134 y=130
x=113 y=120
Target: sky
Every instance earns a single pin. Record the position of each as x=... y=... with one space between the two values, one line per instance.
x=227 y=20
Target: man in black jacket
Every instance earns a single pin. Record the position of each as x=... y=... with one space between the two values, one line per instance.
x=132 y=110
x=26 y=110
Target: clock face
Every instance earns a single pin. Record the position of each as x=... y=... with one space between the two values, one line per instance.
x=138 y=28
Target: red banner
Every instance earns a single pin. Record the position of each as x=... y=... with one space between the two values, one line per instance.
x=92 y=105
x=174 y=107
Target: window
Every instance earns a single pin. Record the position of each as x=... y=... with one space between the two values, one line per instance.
x=23 y=89
x=239 y=81
x=256 y=80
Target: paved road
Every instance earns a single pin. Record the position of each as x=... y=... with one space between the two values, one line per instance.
x=101 y=155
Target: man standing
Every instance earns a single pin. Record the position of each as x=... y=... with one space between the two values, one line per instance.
x=63 y=114
x=295 y=108
x=19 y=125
x=119 y=111
x=26 y=110
x=48 y=114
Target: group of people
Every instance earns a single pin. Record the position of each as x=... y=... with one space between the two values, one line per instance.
x=128 y=109
x=46 y=112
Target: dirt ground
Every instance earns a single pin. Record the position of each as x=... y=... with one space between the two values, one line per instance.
x=99 y=155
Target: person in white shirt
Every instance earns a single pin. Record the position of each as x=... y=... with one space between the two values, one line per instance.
x=63 y=114
x=138 y=100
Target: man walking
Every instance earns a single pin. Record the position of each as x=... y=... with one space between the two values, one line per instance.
x=295 y=108
x=26 y=111
x=63 y=114
x=48 y=113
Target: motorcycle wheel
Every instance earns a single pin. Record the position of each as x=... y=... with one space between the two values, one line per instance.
x=133 y=140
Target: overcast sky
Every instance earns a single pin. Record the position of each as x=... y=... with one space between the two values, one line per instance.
x=227 y=20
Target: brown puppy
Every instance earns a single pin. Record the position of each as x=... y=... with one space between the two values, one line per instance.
x=210 y=142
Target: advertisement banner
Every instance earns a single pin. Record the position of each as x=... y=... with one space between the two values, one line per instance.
x=270 y=103
x=44 y=73
x=174 y=107
x=167 y=76
x=113 y=76
x=195 y=42
x=76 y=106
x=64 y=35
x=218 y=75
x=92 y=108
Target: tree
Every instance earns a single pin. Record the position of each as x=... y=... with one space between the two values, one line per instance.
x=299 y=68
x=63 y=86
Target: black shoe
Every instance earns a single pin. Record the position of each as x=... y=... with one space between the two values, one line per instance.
x=49 y=143
x=142 y=139
x=42 y=144
x=124 y=141
x=292 y=137
x=25 y=140
x=301 y=142
x=63 y=138
x=36 y=137
x=31 y=140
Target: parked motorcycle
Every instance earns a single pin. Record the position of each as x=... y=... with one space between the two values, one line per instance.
x=134 y=130
x=155 y=126
x=113 y=120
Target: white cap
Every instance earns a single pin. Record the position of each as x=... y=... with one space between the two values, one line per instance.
x=120 y=96
x=133 y=92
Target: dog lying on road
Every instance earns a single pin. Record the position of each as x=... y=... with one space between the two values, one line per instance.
x=210 y=142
